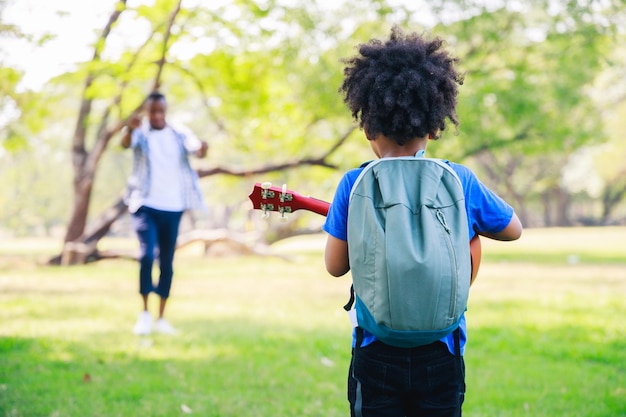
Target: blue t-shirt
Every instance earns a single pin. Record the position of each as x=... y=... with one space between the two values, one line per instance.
x=486 y=212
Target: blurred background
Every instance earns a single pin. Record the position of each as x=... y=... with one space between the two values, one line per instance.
x=541 y=111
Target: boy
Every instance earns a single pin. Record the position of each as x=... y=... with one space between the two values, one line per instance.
x=402 y=91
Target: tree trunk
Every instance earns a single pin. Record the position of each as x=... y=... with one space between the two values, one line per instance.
x=80 y=209
x=612 y=195
x=83 y=248
x=83 y=163
x=547 y=210
x=563 y=203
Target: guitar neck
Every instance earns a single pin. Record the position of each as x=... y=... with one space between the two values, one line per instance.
x=316 y=206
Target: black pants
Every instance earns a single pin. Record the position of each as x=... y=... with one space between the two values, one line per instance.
x=386 y=381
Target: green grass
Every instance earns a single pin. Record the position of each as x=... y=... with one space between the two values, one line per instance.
x=267 y=337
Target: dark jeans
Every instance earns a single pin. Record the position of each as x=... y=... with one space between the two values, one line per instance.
x=388 y=381
x=156 y=229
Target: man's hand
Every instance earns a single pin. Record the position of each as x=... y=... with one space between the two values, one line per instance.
x=133 y=123
x=204 y=147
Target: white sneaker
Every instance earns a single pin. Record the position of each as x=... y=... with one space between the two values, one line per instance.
x=144 y=324
x=162 y=326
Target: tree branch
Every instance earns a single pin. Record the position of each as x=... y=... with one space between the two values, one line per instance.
x=118 y=99
x=165 y=49
x=205 y=99
x=321 y=161
x=339 y=143
x=496 y=144
x=80 y=131
x=263 y=170
x=105 y=136
x=102 y=139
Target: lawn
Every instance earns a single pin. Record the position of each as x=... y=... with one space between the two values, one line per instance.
x=264 y=336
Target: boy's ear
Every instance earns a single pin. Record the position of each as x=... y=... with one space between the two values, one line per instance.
x=433 y=135
x=368 y=135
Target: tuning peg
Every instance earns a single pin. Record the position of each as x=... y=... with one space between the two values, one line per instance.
x=266 y=185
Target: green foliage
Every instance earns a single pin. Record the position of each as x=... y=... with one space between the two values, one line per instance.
x=32 y=201
x=10 y=136
x=522 y=94
x=258 y=80
x=525 y=105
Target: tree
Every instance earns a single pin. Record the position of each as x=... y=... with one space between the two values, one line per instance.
x=528 y=101
x=260 y=79
x=243 y=69
x=610 y=94
x=85 y=159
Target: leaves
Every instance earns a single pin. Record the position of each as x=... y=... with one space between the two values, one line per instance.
x=259 y=80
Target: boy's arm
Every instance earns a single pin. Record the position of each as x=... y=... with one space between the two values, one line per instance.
x=512 y=231
x=336 y=256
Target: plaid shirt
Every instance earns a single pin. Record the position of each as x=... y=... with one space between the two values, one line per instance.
x=138 y=185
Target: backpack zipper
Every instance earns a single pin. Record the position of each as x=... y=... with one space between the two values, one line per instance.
x=453 y=263
x=442 y=220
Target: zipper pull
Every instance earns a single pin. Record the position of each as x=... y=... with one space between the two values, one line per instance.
x=442 y=220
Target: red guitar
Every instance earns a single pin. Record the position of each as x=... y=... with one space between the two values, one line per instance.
x=267 y=198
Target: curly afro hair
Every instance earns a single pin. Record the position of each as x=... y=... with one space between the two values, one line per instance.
x=403 y=88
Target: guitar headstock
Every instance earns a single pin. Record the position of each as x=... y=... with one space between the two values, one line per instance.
x=268 y=198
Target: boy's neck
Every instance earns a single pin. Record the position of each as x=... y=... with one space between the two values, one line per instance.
x=384 y=147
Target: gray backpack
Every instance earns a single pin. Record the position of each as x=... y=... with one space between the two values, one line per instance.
x=409 y=252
